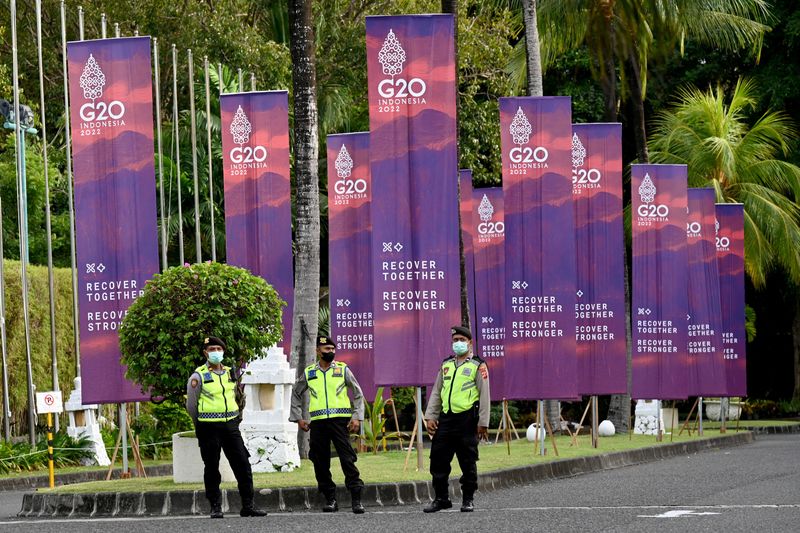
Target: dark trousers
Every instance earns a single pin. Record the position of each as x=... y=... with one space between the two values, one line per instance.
x=216 y=436
x=456 y=435
x=323 y=432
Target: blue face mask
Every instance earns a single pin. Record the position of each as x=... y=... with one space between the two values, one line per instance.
x=460 y=347
x=215 y=358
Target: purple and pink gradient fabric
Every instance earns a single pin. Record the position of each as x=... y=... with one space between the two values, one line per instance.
x=467 y=238
x=349 y=251
x=705 y=358
x=600 y=303
x=111 y=115
x=540 y=271
x=488 y=236
x=415 y=265
x=730 y=257
x=258 y=216
x=659 y=302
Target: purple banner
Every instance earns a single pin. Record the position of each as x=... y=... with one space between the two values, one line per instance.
x=467 y=238
x=660 y=304
x=349 y=250
x=600 y=304
x=415 y=260
x=111 y=115
x=539 y=318
x=489 y=234
x=258 y=216
x=706 y=363
x=730 y=258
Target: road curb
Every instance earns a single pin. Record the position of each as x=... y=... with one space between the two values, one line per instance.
x=297 y=499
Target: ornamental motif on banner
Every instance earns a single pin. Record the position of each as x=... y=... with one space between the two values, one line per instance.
x=521 y=128
x=344 y=163
x=647 y=189
x=486 y=209
x=240 y=127
x=391 y=55
x=578 y=151
x=92 y=79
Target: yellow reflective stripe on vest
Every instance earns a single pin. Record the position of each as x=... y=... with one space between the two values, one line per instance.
x=217 y=401
x=328 y=392
x=459 y=389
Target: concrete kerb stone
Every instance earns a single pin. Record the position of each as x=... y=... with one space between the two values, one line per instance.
x=373 y=495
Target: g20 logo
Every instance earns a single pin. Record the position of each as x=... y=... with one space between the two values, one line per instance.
x=582 y=176
x=487 y=228
x=400 y=88
x=91 y=111
x=391 y=57
x=692 y=228
x=247 y=154
x=652 y=210
x=723 y=243
x=348 y=186
x=92 y=81
x=528 y=154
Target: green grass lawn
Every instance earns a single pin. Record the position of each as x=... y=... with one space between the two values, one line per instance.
x=70 y=469
x=731 y=424
x=388 y=466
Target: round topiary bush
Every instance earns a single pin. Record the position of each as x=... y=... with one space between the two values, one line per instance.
x=162 y=334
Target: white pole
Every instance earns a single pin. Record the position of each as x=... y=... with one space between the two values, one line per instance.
x=123 y=427
x=419 y=429
x=193 y=122
x=210 y=158
x=157 y=78
x=700 y=416
x=103 y=33
x=176 y=140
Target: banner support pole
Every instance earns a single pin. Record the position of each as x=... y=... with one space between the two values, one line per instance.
x=123 y=427
x=700 y=417
x=157 y=77
x=210 y=159
x=595 y=423
x=193 y=122
x=176 y=141
x=419 y=429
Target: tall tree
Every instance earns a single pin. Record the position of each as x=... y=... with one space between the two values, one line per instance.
x=307 y=220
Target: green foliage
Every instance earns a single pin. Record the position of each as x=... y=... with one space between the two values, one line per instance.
x=156 y=424
x=162 y=334
x=497 y=413
x=761 y=409
x=403 y=397
x=375 y=423
x=39 y=319
x=22 y=456
x=324 y=321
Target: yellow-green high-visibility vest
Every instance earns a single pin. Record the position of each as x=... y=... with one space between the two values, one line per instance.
x=217 y=401
x=327 y=391
x=459 y=386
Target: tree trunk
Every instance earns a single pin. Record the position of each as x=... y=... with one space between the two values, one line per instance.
x=619 y=409
x=636 y=97
x=796 y=342
x=532 y=48
x=307 y=224
x=609 y=84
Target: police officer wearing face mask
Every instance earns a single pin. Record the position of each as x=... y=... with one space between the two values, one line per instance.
x=457 y=415
x=332 y=416
x=211 y=399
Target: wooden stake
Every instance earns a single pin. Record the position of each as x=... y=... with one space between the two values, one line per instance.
x=672 y=423
x=552 y=435
x=506 y=430
x=580 y=424
x=689 y=418
x=396 y=422
x=410 y=446
x=501 y=425
x=114 y=455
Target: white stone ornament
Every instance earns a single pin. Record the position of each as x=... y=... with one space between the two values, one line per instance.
x=92 y=79
x=84 y=424
x=391 y=55
x=240 y=127
x=606 y=429
x=531 y=433
x=648 y=413
x=344 y=163
x=647 y=189
x=521 y=128
x=486 y=209
x=578 y=151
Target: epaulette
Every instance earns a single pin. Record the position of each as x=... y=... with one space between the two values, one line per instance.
x=446 y=359
x=478 y=359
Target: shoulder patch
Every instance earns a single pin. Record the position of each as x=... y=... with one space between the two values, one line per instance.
x=484 y=371
x=449 y=358
x=195 y=383
x=207 y=377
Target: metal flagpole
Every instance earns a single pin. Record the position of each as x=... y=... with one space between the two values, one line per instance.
x=117 y=34
x=219 y=76
x=157 y=77
x=700 y=416
x=103 y=25
x=241 y=81
x=253 y=81
x=210 y=159
x=80 y=23
x=193 y=122
x=419 y=429
x=70 y=201
x=50 y=280
x=23 y=237
x=176 y=140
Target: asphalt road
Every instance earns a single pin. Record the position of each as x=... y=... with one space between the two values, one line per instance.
x=750 y=488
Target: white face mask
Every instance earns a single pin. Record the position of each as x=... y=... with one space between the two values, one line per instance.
x=215 y=358
x=460 y=347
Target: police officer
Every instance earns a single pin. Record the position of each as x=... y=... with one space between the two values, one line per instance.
x=332 y=415
x=457 y=414
x=211 y=399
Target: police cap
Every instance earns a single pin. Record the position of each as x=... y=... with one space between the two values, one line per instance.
x=460 y=330
x=325 y=341
x=213 y=341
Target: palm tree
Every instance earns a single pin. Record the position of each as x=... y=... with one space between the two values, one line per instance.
x=307 y=221
x=625 y=36
x=710 y=132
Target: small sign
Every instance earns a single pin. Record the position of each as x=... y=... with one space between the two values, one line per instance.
x=49 y=402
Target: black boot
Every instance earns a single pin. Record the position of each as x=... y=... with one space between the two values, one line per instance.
x=216 y=511
x=437 y=505
x=466 y=504
x=252 y=511
x=356 y=503
x=331 y=506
